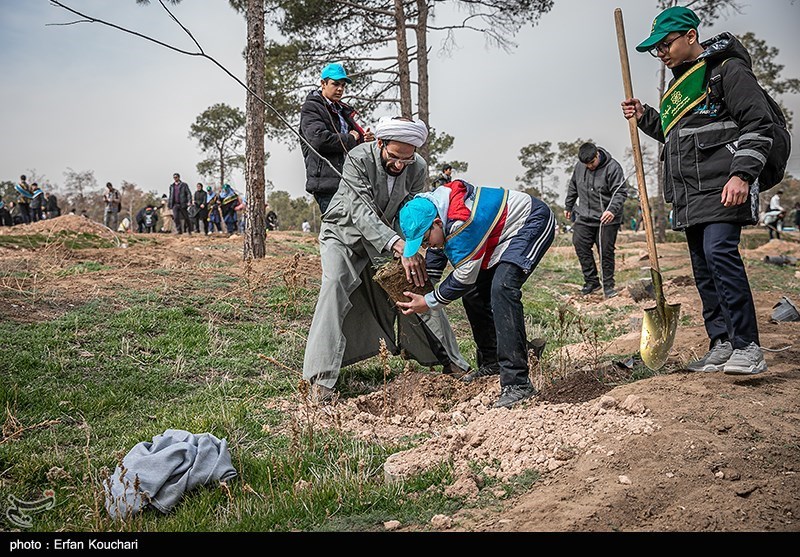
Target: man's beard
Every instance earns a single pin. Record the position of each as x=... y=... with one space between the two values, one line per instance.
x=389 y=171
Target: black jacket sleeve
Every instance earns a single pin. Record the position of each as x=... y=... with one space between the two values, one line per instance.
x=315 y=124
x=744 y=99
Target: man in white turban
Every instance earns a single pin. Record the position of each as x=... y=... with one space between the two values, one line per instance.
x=359 y=232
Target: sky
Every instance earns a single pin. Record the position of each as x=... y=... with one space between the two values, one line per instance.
x=89 y=97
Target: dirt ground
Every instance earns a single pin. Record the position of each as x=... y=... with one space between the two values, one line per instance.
x=672 y=453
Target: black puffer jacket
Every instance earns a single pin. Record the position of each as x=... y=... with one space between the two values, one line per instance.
x=715 y=140
x=319 y=124
x=599 y=190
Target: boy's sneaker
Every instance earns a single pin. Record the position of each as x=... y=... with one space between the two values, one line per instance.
x=610 y=292
x=483 y=371
x=512 y=394
x=589 y=288
x=746 y=361
x=715 y=359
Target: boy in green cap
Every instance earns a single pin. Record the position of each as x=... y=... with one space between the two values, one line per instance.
x=715 y=147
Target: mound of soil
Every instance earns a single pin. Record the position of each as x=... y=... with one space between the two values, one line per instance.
x=64 y=223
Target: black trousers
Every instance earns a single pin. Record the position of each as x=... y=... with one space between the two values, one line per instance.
x=181 y=217
x=200 y=221
x=719 y=274
x=584 y=238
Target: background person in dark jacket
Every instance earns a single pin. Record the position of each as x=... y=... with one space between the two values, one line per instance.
x=5 y=215
x=714 y=151
x=36 y=206
x=445 y=177
x=178 y=201
x=599 y=186
x=111 y=200
x=51 y=205
x=201 y=216
x=329 y=126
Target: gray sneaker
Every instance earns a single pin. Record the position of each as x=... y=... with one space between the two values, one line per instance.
x=746 y=361
x=483 y=371
x=512 y=394
x=714 y=359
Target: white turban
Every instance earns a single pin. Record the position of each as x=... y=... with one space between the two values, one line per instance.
x=413 y=132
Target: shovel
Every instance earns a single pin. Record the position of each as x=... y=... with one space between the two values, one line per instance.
x=660 y=322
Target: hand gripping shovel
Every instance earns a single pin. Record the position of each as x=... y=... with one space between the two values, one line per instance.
x=660 y=322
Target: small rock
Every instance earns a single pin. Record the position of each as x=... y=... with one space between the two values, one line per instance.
x=606 y=402
x=441 y=521
x=670 y=475
x=564 y=453
x=391 y=525
x=625 y=480
x=720 y=475
x=464 y=486
x=745 y=489
x=426 y=416
x=633 y=404
x=458 y=418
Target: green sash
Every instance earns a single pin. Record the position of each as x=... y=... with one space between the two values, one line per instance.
x=684 y=95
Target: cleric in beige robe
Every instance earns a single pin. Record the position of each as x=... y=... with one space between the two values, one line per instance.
x=359 y=232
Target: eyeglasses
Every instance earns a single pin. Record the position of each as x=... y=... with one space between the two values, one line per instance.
x=392 y=160
x=663 y=46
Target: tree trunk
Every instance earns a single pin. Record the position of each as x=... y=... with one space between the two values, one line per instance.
x=402 y=59
x=660 y=212
x=422 y=71
x=255 y=233
x=221 y=168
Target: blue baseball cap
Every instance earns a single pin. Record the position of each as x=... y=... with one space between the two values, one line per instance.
x=335 y=72
x=416 y=217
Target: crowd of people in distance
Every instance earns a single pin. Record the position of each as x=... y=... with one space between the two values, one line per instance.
x=205 y=211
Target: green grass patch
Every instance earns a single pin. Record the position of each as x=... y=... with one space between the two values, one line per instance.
x=83 y=267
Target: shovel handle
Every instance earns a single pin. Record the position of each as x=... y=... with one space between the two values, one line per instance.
x=636 y=147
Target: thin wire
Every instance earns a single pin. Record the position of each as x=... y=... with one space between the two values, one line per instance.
x=202 y=54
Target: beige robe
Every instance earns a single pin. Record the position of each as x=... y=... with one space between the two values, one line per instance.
x=353 y=312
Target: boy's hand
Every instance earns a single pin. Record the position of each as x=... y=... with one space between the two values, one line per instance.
x=416 y=305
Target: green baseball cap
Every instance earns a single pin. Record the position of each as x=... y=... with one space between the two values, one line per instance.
x=670 y=20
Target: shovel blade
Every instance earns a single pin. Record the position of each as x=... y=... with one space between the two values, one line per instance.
x=658 y=326
x=658 y=334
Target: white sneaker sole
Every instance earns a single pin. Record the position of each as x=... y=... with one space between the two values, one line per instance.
x=752 y=370
x=706 y=368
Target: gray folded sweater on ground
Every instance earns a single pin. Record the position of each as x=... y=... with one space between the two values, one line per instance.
x=174 y=463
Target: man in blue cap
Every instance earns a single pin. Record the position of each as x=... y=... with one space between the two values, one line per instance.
x=717 y=130
x=330 y=127
x=494 y=238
